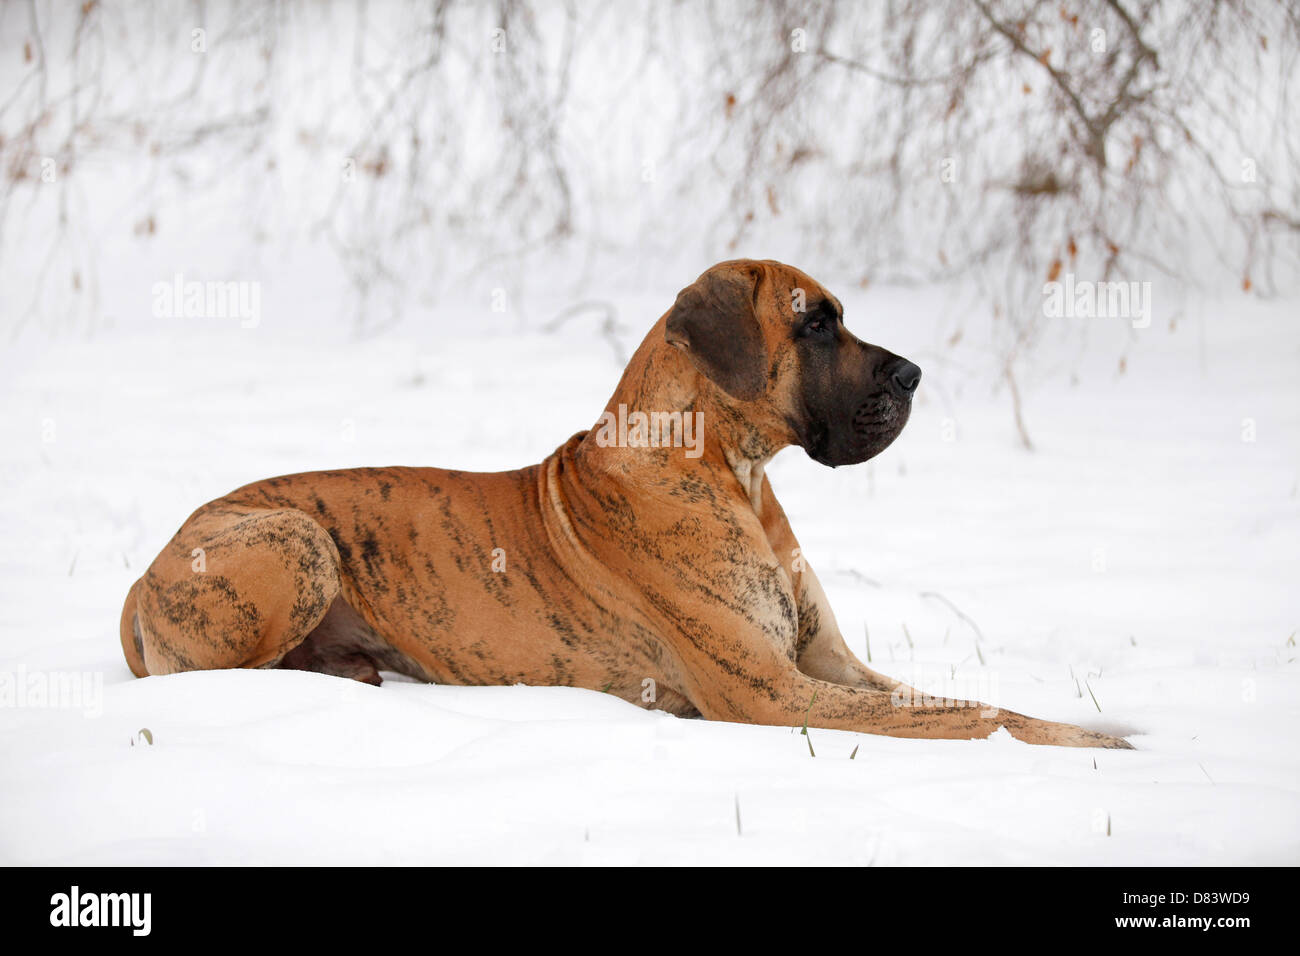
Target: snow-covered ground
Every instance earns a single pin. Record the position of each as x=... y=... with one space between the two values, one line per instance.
x=1138 y=573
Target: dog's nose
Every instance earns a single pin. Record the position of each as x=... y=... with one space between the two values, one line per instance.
x=905 y=378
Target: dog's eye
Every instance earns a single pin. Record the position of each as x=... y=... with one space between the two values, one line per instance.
x=820 y=324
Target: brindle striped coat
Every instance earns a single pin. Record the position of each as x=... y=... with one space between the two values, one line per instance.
x=672 y=581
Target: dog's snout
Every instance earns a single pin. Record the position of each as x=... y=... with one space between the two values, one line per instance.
x=905 y=377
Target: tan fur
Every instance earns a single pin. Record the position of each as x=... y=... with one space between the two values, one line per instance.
x=670 y=581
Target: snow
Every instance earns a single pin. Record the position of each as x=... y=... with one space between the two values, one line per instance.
x=1143 y=556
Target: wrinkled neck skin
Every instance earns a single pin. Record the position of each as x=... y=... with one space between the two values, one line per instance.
x=661 y=378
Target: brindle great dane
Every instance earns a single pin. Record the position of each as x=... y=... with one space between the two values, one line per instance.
x=607 y=567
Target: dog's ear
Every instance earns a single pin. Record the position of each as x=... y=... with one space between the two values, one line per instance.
x=715 y=322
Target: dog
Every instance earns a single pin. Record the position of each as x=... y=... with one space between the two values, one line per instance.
x=663 y=574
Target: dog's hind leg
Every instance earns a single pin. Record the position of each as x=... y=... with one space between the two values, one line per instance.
x=235 y=587
x=341 y=645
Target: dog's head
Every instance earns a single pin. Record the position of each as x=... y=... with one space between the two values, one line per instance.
x=773 y=342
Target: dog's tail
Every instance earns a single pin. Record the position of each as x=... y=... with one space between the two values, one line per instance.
x=132 y=635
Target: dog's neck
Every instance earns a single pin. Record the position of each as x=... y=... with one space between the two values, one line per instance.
x=750 y=475
x=660 y=378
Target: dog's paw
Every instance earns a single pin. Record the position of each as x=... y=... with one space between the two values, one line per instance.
x=1048 y=733
x=1095 y=738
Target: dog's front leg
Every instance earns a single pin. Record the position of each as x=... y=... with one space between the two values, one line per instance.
x=789 y=697
x=822 y=650
x=824 y=655
x=736 y=672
